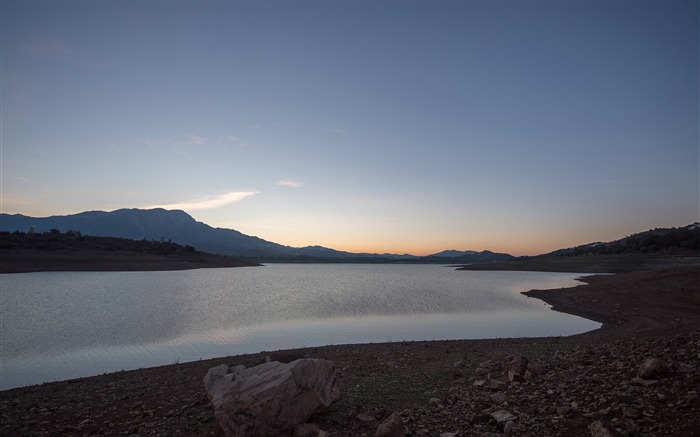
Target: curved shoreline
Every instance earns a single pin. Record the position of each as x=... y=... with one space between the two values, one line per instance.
x=644 y=313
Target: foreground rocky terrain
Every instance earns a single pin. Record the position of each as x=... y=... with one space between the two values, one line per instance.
x=593 y=384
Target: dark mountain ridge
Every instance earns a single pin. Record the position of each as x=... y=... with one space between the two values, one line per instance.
x=179 y=227
x=656 y=240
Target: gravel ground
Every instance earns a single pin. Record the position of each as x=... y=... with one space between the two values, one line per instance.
x=587 y=384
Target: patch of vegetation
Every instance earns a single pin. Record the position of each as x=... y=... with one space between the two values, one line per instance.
x=660 y=240
x=54 y=241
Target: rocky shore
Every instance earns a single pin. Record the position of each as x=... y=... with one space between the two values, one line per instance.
x=639 y=375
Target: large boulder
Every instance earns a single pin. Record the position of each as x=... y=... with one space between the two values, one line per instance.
x=272 y=398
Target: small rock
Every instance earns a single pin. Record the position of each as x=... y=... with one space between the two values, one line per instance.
x=562 y=411
x=644 y=382
x=519 y=365
x=498 y=385
x=502 y=416
x=498 y=398
x=366 y=420
x=631 y=412
x=651 y=368
x=508 y=428
x=515 y=377
x=598 y=429
x=392 y=426
x=309 y=430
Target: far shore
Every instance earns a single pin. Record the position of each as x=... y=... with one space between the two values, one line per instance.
x=113 y=261
x=656 y=304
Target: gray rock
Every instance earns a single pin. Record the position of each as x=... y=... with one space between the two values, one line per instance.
x=392 y=426
x=514 y=376
x=366 y=420
x=598 y=429
x=309 y=430
x=502 y=417
x=498 y=398
x=495 y=384
x=651 y=368
x=272 y=398
x=519 y=365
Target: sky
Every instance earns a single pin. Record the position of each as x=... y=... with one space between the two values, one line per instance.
x=366 y=126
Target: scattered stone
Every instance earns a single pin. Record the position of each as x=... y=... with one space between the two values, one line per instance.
x=434 y=402
x=309 y=430
x=644 y=382
x=598 y=429
x=563 y=411
x=519 y=365
x=272 y=398
x=498 y=398
x=509 y=428
x=631 y=412
x=366 y=420
x=515 y=377
x=651 y=368
x=391 y=427
x=497 y=385
x=502 y=416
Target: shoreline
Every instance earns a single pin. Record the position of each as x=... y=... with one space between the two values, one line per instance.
x=638 y=310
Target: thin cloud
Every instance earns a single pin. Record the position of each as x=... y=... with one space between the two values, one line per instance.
x=195 y=140
x=17 y=178
x=291 y=183
x=46 y=47
x=209 y=202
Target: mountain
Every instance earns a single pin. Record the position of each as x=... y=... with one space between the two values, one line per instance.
x=179 y=227
x=454 y=253
x=467 y=257
x=152 y=224
x=667 y=240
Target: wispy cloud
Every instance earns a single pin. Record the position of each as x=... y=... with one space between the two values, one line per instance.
x=195 y=140
x=291 y=183
x=209 y=202
x=17 y=178
x=46 y=47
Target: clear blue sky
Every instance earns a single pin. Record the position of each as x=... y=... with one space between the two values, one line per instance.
x=364 y=126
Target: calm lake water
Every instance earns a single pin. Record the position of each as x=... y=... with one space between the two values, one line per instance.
x=61 y=325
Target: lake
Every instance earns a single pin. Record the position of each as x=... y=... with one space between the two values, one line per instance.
x=62 y=325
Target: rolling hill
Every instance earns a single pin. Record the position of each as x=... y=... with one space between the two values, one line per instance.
x=179 y=227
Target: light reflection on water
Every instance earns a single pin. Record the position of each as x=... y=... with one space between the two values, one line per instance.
x=60 y=325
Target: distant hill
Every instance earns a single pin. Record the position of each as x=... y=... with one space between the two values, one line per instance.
x=661 y=247
x=657 y=240
x=71 y=251
x=467 y=257
x=179 y=227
